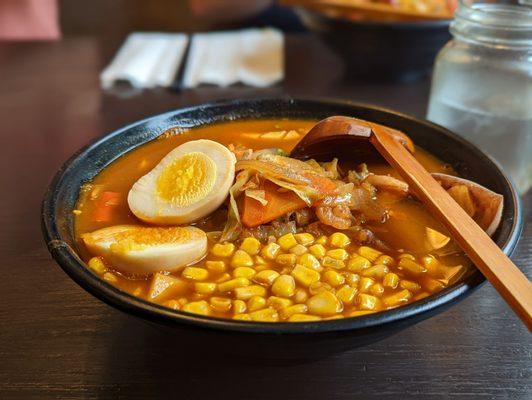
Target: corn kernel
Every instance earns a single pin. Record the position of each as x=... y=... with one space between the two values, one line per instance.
x=333 y=278
x=97 y=265
x=369 y=253
x=309 y=261
x=250 y=245
x=346 y=294
x=233 y=284
x=220 y=304
x=365 y=283
x=330 y=262
x=298 y=250
x=390 y=280
x=266 y=277
x=256 y=303
x=407 y=256
x=376 y=289
x=432 y=265
x=321 y=240
x=412 y=267
x=303 y=318
x=301 y=295
x=338 y=254
x=259 y=261
x=352 y=279
x=110 y=277
x=265 y=315
x=339 y=239
x=409 y=285
x=239 y=306
x=243 y=272
x=278 y=303
x=197 y=307
x=216 y=266
x=305 y=276
x=317 y=250
x=386 y=260
x=241 y=259
x=242 y=317
x=377 y=271
x=247 y=292
x=284 y=286
x=223 y=278
x=304 y=238
x=195 y=273
x=318 y=287
x=173 y=304
x=270 y=251
x=397 y=298
x=367 y=302
x=286 y=259
x=324 y=304
x=295 y=309
x=287 y=241
x=429 y=259
x=358 y=263
x=204 y=287
x=223 y=250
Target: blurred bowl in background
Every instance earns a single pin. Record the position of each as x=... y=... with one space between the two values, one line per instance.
x=387 y=50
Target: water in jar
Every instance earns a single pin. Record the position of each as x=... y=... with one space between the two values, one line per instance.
x=493 y=111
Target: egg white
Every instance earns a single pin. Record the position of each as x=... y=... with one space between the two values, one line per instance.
x=147 y=205
x=181 y=246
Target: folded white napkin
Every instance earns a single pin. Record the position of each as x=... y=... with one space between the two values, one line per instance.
x=146 y=60
x=254 y=57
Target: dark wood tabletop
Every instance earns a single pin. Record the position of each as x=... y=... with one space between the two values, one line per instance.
x=58 y=341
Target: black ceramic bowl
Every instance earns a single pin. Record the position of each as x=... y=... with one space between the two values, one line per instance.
x=394 y=51
x=270 y=339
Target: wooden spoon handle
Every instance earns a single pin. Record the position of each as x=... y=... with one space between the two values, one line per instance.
x=509 y=281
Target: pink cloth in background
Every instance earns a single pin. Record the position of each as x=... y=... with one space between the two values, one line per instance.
x=29 y=20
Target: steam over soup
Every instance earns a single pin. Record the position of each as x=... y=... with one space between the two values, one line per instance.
x=220 y=221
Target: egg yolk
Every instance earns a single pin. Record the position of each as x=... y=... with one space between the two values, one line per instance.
x=141 y=238
x=187 y=179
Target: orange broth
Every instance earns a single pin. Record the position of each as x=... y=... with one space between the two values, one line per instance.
x=404 y=231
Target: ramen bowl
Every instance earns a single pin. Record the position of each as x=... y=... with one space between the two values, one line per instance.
x=280 y=339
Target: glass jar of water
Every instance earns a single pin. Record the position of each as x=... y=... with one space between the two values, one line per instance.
x=482 y=83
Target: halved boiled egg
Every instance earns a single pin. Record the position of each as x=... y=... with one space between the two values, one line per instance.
x=189 y=183
x=144 y=250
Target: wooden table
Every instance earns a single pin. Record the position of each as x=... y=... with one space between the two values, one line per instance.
x=57 y=341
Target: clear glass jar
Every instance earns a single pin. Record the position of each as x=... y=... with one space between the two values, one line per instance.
x=482 y=83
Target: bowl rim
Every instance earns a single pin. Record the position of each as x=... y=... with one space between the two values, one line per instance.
x=71 y=263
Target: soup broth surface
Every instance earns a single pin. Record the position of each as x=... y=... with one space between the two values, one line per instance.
x=361 y=278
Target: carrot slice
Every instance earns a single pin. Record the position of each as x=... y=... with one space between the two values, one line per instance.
x=279 y=203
